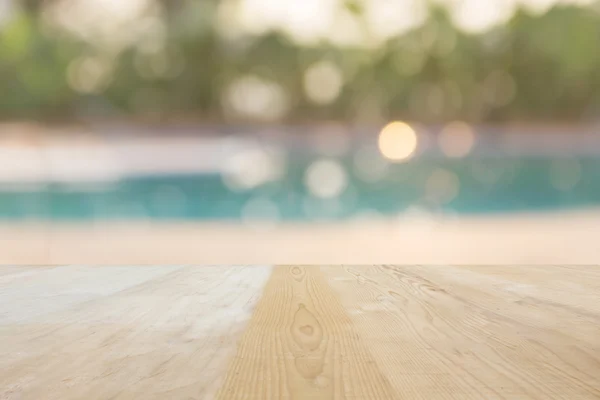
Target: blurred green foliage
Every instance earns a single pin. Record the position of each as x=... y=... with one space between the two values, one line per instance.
x=535 y=67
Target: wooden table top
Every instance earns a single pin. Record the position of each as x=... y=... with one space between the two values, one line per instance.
x=331 y=332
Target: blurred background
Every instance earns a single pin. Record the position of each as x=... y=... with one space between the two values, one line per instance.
x=314 y=131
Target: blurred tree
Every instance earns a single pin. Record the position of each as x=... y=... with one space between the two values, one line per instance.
x=536 y=66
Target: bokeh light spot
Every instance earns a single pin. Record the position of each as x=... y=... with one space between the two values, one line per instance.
x=254 y=97
x=389 y=18
x=397 y=141
x=326 y=179
x=476 y=16
x=323 y=82
x=252 y=167
x=456 y=140
x=89 y=74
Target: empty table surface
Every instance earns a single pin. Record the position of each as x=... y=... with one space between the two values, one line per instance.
x=314 y=332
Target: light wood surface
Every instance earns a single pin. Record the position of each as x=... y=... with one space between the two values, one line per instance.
x=294 y=332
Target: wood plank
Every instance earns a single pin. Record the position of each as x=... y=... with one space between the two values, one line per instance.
x=469 y=342
x=301 y=344
x=294 y=332
x=169 y=337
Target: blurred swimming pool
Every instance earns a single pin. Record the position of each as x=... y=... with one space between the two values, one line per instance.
x=313 y=187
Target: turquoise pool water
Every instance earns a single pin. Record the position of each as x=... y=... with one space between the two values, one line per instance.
x=470 y=185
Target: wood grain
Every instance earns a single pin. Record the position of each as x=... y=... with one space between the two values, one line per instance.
x=295 y=332
x=469 y=336
x=301 y=344
x=161 y=333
